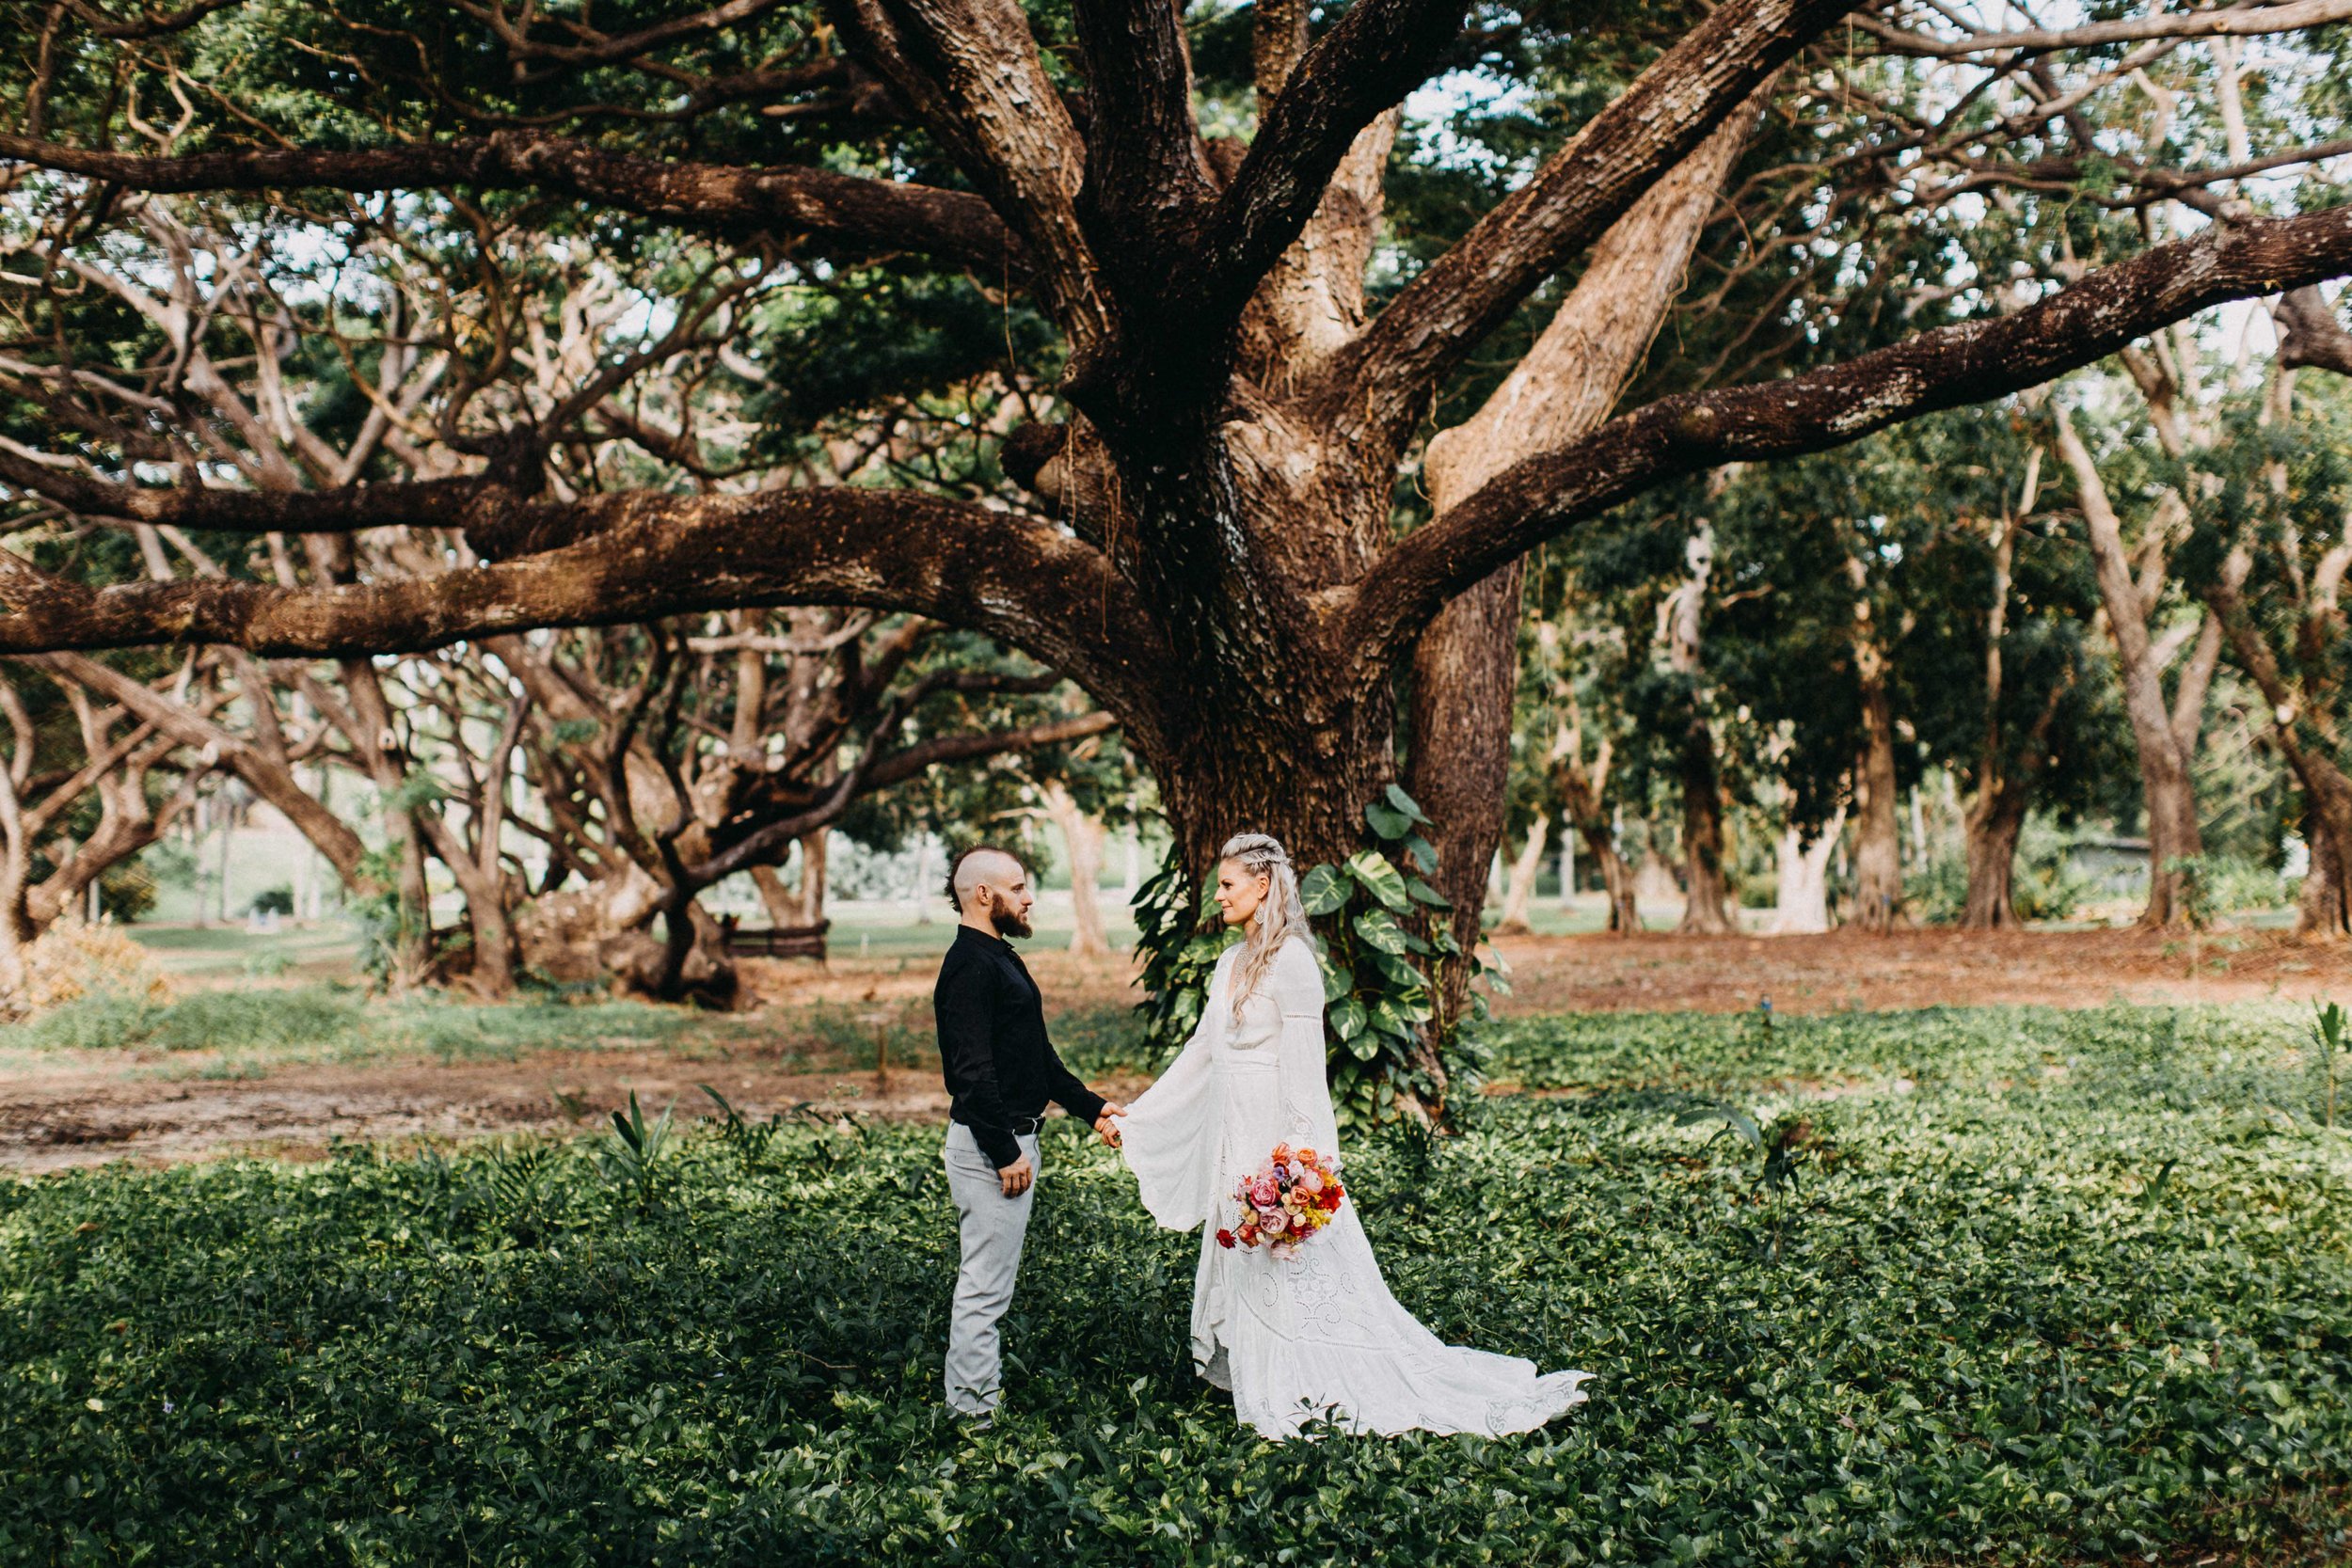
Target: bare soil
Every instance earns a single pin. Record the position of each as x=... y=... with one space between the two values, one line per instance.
x=64 y=1109
x=1939 y=967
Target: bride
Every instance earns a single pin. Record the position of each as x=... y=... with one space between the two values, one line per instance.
x=1317 y=1333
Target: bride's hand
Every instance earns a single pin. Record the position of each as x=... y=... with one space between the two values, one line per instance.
x=1105 y=1126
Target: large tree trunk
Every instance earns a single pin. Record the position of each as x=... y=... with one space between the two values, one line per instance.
x=2321 y=909
x=1625 y=913
x=1803 y=905
x=492 y=973
x=1580 y=793
x=1520 y=890
x=782 y=904
x=808 y=896
x=1463 y=674
x=2168 y=792
x=1082 y=840
x=1706 y=909
x=1706 y=905
x=1878 y=868
x=16 y=922
x=1995 y=819
x=2326 y=789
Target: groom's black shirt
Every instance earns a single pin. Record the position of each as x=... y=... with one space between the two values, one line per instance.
x=1000 y=1067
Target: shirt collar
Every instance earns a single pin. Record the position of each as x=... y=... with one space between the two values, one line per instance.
x=976 y=934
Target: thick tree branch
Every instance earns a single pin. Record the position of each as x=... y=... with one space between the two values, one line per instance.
x=644 y=555
x=2310 y=334
x=969 y=69
x=1382 y=387
x=422 y=503
x=2236 y=22
x=876 y=772
x=837 y=214
x=267 y=777
x=1971 y=362
x=1146 y=184
x=1380 y=51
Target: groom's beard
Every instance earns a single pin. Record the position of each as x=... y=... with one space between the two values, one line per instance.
x=1007 y=923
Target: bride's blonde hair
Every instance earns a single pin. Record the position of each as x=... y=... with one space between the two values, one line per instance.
x=1281 y=916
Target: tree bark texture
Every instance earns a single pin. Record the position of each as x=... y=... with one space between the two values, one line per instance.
x=2168 y=790
x=1520 y=890
x=1082 y=843
x=1803 y=905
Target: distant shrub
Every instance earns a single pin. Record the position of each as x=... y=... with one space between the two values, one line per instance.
x=273 y=900
x=221 y=1020
x=2045 y=883
x=73 y=962
x=2235 y=886
x=126 y=891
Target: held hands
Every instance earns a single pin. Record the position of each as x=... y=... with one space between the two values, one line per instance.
x=1015 y=1177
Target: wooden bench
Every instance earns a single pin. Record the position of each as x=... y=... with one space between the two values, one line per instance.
x=779 y=942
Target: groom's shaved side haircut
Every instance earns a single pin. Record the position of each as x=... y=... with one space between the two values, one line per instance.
x=974 y=867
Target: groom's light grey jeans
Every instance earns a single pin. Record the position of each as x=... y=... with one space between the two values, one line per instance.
x=993 y=1227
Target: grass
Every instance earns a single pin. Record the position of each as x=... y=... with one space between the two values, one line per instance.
x=264 y=1027
x=2049 y=1288
x=245 y=1033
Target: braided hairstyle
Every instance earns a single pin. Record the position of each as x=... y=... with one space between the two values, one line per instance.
x=1281 y=916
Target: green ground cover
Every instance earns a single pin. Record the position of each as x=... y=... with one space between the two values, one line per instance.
x=2035 y=1287
x=260 y=1027
x=248 y=1033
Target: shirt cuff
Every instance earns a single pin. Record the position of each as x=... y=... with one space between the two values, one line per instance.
x=998 y=1144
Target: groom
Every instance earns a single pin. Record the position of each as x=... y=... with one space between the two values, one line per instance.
x=1001 y=1071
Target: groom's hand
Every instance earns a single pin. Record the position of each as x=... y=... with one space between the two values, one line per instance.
x=1105 y=1126
x=1015 y=1177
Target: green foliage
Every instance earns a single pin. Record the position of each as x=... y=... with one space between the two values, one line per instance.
x=2045 y=885
x=637 y=1157
x=216 y=1020
x=2058 y=1287
x=2328 y=1041
x=126 y=891
x=330 y=1022
x=2237 y=885
x=273 y=900
x=387 y=922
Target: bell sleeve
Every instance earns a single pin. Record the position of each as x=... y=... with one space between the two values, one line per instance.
x=1168 y=1136
x=1302 y=1067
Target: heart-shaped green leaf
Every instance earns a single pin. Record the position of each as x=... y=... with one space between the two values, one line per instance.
x=1379 y=931
x=1405 y=804
x=1375 y=876
x=1322 y=889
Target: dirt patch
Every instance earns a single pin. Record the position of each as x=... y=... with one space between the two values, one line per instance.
x=74 y=1118
x=77 y=1108
x=1913 y=969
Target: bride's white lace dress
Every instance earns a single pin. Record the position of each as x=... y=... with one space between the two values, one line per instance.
x=1317 y=1333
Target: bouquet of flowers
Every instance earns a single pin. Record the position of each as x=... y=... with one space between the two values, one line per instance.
x=1284 y=1201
